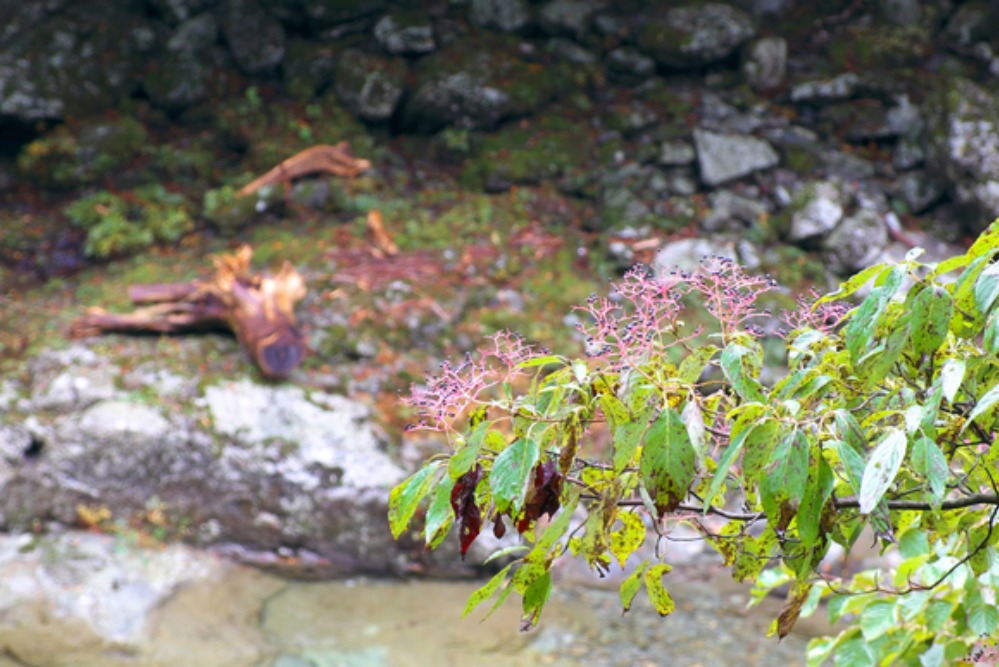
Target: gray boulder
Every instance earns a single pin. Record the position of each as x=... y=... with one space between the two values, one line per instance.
x=817 y=210
x=256 y=39
x=694 y=35
x=856 y=243
x=766 y=63
x=248 y=467
x=88 y=599
x=629 y=66
x=824 y=91
x=71 y=62
x=505 y=15
x=920 y=190
x=369 y=86
x=569 y=17
x=328 y=13
x=686 y=254
x=964 y=137
x=725 y=157
x=405 y=33
x=191 y=66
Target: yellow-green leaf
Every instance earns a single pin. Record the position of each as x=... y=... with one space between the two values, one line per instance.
x=658 y=595
x=628 y=538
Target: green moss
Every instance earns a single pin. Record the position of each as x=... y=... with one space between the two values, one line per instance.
x=801 y=161
x=879 y=46
x=125 y=224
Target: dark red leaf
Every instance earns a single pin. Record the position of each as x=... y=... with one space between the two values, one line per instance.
x=466 y=512
x=499 y=528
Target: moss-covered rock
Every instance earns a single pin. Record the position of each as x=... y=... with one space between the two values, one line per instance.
x=479 y=82
x=370 y=86
x=694 y=35
x=78 y=154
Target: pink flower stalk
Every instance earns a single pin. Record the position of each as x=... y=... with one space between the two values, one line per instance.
x=825 y=317
x=447 y=396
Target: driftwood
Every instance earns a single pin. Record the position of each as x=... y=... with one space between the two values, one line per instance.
x=336 y=160
x=259 y=309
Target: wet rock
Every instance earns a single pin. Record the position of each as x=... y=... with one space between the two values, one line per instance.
x=570 y=51
x=86 y=599
x=824 y=91
x=178 y=11
x=920 y=190
x=732 y=212
x=817 y=210
x=569 y=17
x=725 y=157
x=475 y=86
x=971 y=23
x=677 y=153
x=856 y=243
x=256 y=40
x=369 y=86
x=405 y=33
x=766 y=63
x=309 y=67
x=908 y=153
x=901 y=12
x=328 y=13
x=871 y=120
x=191 y=67
x=629 y=66
x=505 y=15
x=694 y=35
x=965 y=145
x=71 y=62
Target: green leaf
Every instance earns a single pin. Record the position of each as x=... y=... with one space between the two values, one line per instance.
x=440 y=516
x=627 y=438
x=556 y=529
x=931 y=312
x=881 y=469
x=543 y=360
x=854 y=652
x=630 y=587
x=511 y=469
x=626 y=541
x=938 y=612
x=463 y=460
x=660 y=598
x=932 y=657
x=694 y=363
x=818 y=488
x=852 y=284
x=951 y=377
x=760 y=444
x=535 y=597
x=721 y=472
x=987 y=242
x=877 y=618
x=859 y=333
x=782 y=487
x=983 y=619
x=486 y=592
x=745 y=385
x=668 y=462
x=967 y=318
x=405 y=498
x=853 y=463
x=929 y=461
x=983 y=405
x=987 y=288
x=694 y=421
x=614 y=410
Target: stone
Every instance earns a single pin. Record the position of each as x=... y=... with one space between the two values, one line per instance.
x=686 y=254
x=818 y=209
x=676 y=153
x=73 y=62
x=505 y=15
x=920 y=190
x=629 y=66
x=408 y=33
x=766 y=64
x=725 y=157
x=256 y=40
x=309 y=67
x=88 y=599
x=901 y=12
x=856 y=243
x=569 y=17
x=971 y=23
x=369 y=86
x=908 y=153
x=195 y=35
x=329 y=13
x=964 y=139
x=178 y=11
x=694 y=35
x=822 y=91
x=570 y=51
x=190 y=68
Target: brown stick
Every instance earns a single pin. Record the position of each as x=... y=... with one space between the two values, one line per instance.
x=140 y=294
x=335 y=160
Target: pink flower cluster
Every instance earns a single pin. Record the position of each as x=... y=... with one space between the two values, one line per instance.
x=823 y=317
x=447 y=395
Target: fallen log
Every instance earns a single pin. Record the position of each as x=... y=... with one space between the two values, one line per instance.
x=258 y=308
x=335 y=159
